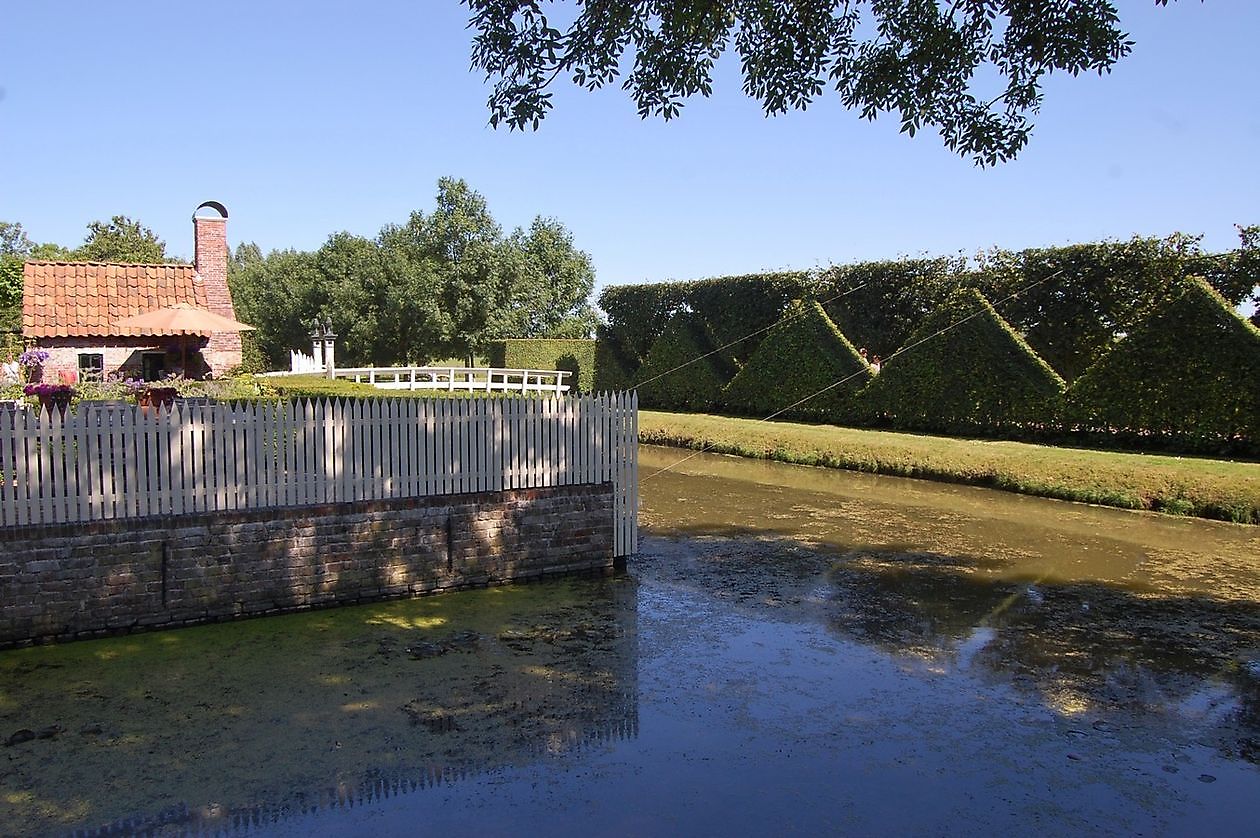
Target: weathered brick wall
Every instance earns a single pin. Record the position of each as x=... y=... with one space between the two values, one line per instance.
x=62 y=582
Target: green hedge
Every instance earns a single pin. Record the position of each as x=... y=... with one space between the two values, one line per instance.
x=612 y=370
x=577 y=356
x=878 y=304
x=976 y=376
x=697 y=385
x=803 y=354
x=1189 y=373
x=729 y=310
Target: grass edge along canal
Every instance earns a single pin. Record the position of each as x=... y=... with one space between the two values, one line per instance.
x=1193 y=486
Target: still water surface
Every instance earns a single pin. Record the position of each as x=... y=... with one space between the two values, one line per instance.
x=794 y=651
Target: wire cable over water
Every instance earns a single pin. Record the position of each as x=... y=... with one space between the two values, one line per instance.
x=752 y=334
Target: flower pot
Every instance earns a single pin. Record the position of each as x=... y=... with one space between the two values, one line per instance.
x=157 y=397
x=57 y=401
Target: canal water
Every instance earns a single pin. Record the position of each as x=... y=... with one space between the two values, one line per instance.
x=794 y=651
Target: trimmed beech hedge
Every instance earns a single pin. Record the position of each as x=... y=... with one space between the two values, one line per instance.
x=612 y=370
x=728 y=308
x=1188 y=373
x=577 y=356
x=698 y=385
x=978 y=376
x=802 y=354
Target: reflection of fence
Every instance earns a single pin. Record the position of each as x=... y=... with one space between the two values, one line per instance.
x=124 y=462
x=482 y=379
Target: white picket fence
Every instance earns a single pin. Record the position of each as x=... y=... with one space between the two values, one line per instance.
x=119 y=461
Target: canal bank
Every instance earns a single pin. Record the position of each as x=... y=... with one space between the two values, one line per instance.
x=1222 y=490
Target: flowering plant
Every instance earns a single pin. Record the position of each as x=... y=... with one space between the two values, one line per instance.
x=33 y=358
x=49 y=391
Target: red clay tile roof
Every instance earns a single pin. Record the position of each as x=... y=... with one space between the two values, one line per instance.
x=86 y=299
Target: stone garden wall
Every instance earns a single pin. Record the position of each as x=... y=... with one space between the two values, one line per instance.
x=81 y=580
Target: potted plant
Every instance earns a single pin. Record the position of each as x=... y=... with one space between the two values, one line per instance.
x=160 y=397
x=31 y=363
x=51 y=395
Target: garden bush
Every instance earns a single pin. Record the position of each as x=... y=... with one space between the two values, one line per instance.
x=1188 y=373
x=964 y=370
x=577 y=356
x=697 y=385
x=802 y=354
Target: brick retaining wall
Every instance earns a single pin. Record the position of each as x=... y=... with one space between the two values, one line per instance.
x=67 y=581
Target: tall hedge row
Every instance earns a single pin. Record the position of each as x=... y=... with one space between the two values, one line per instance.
x=965 y=370
x=578 y=356
x=1189 y=372
x=728 y=309
x=804 y=353
x=1059 y=311
x=681 y=371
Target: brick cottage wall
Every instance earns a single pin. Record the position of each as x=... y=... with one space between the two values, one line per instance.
x=69 y=581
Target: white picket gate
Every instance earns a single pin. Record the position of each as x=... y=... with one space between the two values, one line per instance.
x=100 y=463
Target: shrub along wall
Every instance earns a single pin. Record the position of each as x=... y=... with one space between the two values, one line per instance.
x=1189 y=373
x=696 y=386
x=803 y=354
x=965 y=370
x=577 y=356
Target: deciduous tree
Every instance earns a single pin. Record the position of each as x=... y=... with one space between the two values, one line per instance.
x=970 y=69
x=120 y=240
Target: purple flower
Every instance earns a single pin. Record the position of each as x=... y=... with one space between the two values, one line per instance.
x=33 y=358
x=49 y=391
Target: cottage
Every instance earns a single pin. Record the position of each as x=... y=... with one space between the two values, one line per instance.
x=71 y=310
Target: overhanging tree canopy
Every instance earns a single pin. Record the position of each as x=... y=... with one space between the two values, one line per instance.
x=972 y=69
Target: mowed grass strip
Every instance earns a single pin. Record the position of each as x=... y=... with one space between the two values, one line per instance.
x=1201 y=487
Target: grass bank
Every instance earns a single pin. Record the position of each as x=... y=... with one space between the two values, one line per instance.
x=1204 y=488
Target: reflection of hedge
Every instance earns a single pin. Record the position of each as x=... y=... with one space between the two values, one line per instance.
x=978 y=375
x=1189 y=372
x=577 y=356
x=696 y=386
x=802 y=354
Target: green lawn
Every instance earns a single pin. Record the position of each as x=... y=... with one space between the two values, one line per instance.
x=1195 y=486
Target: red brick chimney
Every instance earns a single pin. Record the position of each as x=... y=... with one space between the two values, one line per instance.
x=211 y=260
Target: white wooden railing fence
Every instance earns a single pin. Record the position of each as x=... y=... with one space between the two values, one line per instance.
x=119 y=461
x=452 y=379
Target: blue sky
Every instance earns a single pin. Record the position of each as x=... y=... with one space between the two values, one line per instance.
x=305 y=119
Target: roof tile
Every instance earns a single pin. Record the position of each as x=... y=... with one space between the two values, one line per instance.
x=86 y=299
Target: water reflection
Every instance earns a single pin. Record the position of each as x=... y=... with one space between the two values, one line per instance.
x=245 y=725
x=1083 y=609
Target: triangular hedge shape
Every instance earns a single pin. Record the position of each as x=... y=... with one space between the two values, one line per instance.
x=964 y=369
x=802 y=354
x=680 y=371
x=1189 y=371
